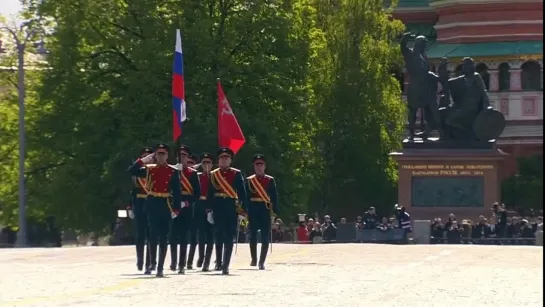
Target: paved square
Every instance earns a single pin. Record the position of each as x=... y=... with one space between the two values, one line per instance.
x=296 y=275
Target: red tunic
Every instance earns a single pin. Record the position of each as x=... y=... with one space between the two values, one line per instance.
x=159 y=176
x=203 y=179
x=229 y=175
x=264 y=180
x=187 y=172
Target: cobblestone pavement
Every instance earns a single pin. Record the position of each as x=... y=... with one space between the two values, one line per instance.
x=296 y=275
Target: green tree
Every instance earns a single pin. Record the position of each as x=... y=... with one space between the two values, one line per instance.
x=359 y=112
x=308 y=80
x=524 y=190
x=9 y=113
x=108 y=93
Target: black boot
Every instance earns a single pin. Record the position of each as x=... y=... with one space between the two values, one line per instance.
x=191 y=256
x=227 y=258
x=207 y=257
x=153 y=256
x=140 y=256
x=183 y=257
x=263 y=255
x=200 y=260
x=219 y=252
x=206 y=266
x=253 y=253
x=173 y=256
x=218 y=266
x=148 y=257
x=162 y=256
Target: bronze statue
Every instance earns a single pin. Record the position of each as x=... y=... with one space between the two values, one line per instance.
x=470 y=116
x=422 y=92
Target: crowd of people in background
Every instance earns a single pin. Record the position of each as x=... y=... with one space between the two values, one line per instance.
x=498 y=226
x=316 y=229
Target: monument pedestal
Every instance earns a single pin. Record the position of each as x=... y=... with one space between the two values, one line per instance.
x=437 y=178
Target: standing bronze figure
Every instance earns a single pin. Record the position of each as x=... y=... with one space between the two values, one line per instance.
x=422 y=92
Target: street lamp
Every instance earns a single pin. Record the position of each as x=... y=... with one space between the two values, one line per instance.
x=20 y=43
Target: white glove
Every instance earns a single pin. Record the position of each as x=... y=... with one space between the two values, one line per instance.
x=184 y=204
x=173 y=215
x=241 y=218
x=131 y=214
x=210 y=217
x=148 y=159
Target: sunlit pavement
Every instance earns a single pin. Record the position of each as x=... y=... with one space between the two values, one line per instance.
x=295 y=275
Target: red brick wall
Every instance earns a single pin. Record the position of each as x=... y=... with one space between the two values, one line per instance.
x=509 y=166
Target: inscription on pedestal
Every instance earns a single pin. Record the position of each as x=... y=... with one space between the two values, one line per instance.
x=447 y=169
x=447 y=185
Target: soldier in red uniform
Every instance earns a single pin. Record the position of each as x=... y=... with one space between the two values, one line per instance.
x=191 y=161
x=191 y=191
x=193 y=228
x=175 y=232
x=225 y=190
x=261 y=205
x=201 y=212
x=137 y=212
x=163 y=182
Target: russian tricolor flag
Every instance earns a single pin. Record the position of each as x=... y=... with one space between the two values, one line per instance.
x=178 y=92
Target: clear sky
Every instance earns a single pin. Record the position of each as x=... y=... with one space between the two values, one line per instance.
x=9 y=7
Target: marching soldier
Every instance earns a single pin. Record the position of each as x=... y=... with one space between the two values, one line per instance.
x=191 y=191
x=225 y=189
x=201 y=211
x=137 y=212
x=193 y=228
x=191 y=161
x=175 y=231
x=261 y=205
x=162 y=182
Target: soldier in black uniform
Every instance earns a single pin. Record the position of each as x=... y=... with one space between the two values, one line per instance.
x=262 y=204
x=163 y=183
x=176 y=230
x=202 y=210
x=190 y=189
x=137 y=212
x=191 y=161
x=225 y=190
x=193 y=230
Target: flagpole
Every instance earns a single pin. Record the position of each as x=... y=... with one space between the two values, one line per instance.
x=178 y=144
x=178 y=91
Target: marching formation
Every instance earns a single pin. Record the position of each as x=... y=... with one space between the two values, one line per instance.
x=177 y=205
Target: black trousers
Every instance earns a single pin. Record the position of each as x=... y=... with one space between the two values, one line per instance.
x=259 y=218
x=206 y=234
x=159 y=220
x=225 y=228
x=178 y=235
x=193 y=237
x=201 y=233
x=142 y=233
